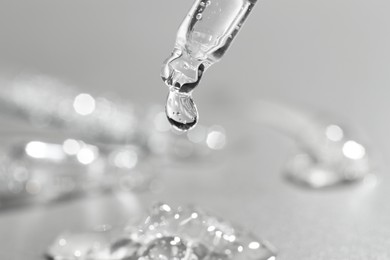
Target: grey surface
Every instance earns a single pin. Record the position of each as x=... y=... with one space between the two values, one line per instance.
x=330 y=56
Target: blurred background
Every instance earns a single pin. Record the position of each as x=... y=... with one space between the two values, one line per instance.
x=327 y=59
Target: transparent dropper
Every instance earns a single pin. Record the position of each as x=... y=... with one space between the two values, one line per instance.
x=202 y=39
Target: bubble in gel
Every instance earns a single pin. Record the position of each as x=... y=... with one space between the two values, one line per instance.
x=181 y=110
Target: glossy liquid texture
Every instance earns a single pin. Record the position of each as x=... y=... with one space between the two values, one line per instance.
x=181 y=110
x=184 y=233
x=202 y=39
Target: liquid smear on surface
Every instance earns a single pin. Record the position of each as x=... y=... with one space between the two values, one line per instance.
x=202 y=39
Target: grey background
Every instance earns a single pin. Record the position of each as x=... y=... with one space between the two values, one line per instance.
x=330 y=56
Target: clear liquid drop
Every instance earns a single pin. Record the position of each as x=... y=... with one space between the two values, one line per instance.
x=181 y=110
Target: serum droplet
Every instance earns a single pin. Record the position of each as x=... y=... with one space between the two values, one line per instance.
x=181 y=110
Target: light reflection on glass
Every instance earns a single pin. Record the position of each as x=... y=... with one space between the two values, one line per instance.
x=334 y=133
x=84 y=104
x=353 y=150
x=86 y=155
x=216 y=138
x=42 y=150
x=71 y=146
x=254 y=245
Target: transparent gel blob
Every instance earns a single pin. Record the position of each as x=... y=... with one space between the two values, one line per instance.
x=182 y=233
